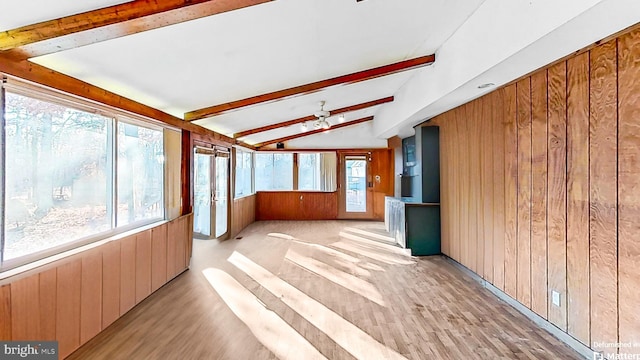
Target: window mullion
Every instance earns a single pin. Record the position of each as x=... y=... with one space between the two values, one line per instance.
x=2 y=168
x=112 y=164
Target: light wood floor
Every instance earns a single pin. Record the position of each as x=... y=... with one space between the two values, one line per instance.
x=324 y=289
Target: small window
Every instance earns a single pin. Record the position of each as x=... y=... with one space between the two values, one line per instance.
x=274 y=171
x=244 y=176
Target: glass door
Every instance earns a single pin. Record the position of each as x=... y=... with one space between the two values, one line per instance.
x=222 y=194
x=202 y=193
x=356 y=192
x=356 y=184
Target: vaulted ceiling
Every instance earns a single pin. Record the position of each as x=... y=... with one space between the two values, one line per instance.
x=215 y=53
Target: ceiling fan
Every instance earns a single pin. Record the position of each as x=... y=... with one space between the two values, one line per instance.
x=322 y=116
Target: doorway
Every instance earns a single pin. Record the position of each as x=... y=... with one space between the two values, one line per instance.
x=210 y=193
x=356 y=190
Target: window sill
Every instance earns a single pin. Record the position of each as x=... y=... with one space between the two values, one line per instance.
x=243 y=196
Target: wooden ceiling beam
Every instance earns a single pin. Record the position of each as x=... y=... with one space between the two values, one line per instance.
x=109 y=23
x=346 y=109
x=313 y=132
x=312 y=87
x=41 y=75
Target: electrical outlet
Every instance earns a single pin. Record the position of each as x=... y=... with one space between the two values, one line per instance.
x=555 y=298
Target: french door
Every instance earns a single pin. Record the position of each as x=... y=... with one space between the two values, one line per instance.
x=210 y=193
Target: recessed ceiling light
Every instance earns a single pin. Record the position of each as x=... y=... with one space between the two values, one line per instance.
x=484 y=86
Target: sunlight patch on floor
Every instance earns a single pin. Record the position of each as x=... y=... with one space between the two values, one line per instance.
x=271 y=330
x=348 y=281
x=353 y=264
x=372 y=254
x=375 y=244
x=388 y=239
x=281 y=236
x=351 y=338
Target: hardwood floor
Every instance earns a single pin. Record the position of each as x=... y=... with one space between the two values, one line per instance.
x=320 y=289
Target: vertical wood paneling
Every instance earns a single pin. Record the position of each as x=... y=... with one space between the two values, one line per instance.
x=48 y=304
x=557 y=193
x=110 y=283
x=180 y=225
x=475 y=223
x=91 y=295
x=629 y=186
x=539 y=193
x=511 y=191
x=143 y=265
x=523 y=89
x=172 y=238
x=565 y=173
x=499 y=230
x=73 y=299
x=486 y=168
x=578 y=305
x=5 y=312
x=158 y=257
x=69 y=278
x=127 y=273
x=603 y=193
x=25 y=308
x=469 y=243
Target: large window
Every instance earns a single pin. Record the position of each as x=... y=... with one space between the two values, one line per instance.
x=317 y=171
x=274 y=171
x=244 y=176
x=140 y=174
x=308 y=171
x=62 y=184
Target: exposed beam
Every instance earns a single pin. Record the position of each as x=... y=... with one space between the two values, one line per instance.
x=41 y=75
x=313 y=132
x=346 y=109
x=111 y=22
x=312 y=87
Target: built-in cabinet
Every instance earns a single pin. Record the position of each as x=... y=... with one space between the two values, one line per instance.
x=414 y=219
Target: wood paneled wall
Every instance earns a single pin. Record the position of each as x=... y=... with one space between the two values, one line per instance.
x=243 y=213
x=73 y=299
x=296 y=205
x=540 y=185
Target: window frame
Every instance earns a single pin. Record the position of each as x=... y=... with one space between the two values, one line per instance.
x=115 y=116
x=296 y=169
x=252 y=155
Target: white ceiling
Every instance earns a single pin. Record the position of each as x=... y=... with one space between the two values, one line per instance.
x=286 y=43
x=266 y=48
x=15 y=14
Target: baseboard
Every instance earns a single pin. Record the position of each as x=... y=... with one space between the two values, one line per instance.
x=570 y=341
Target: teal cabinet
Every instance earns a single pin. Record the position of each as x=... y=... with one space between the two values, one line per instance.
x=414 y=226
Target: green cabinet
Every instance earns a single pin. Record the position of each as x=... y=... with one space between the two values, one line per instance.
x=414 y=226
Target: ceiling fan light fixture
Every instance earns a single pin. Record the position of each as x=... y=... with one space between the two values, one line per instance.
x=325 y=124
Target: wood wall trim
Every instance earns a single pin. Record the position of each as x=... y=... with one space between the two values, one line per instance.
x=345 y=109
x=312 y=87
x=313 y=132
x=109 y=23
